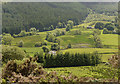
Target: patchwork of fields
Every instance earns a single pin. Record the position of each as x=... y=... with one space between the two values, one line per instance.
x=83 y=43
x=80 y=43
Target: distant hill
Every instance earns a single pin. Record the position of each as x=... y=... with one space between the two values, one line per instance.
x=108 y=8
x=18 y=16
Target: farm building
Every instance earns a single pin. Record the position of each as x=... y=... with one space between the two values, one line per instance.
x=89 y=27
x=52 y=52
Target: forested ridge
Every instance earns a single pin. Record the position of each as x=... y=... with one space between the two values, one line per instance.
x=23 y=16
x=108 y=8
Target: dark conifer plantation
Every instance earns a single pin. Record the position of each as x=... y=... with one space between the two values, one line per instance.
x=23 y=16
x=69 y=60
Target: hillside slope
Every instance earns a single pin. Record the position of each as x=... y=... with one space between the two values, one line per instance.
x=18 y=16
x=108 y=8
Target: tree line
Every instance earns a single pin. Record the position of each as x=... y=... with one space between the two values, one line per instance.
x=68 y=60
x=108 y=28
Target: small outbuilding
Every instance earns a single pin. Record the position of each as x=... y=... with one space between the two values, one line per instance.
x=89 y=27
x=52 y=52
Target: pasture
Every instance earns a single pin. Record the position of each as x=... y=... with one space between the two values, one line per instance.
x=91 y=50
x=75 y=39
x=109 y=39
x=85 y=71
x=29 y=41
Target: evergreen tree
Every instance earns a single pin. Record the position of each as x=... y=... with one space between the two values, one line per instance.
x=66 y=59
x=93 y=61
x=76 y=60
x=69 y=45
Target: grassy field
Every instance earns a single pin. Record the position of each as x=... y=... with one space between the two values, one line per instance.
x=75 y=39
x=29 y=41
x=109 y=39
x=83 y=30
x=83 y=71
x=90 y=50
x=105 y=57
x=32 y=50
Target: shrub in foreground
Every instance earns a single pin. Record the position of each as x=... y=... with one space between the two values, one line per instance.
x=7 y=39
x=12 y=53
x=28 y=71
